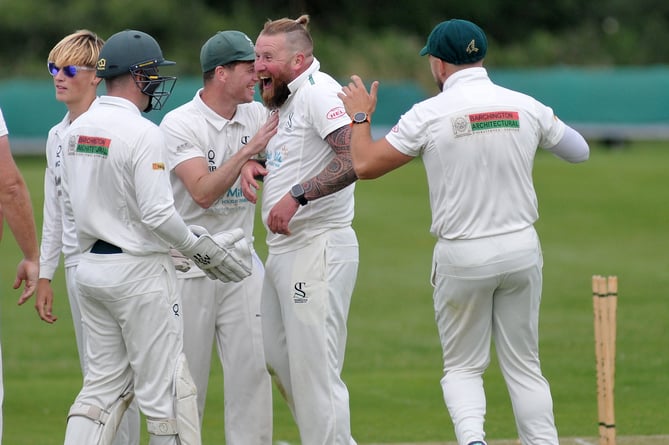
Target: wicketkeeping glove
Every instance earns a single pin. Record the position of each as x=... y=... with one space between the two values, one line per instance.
x=225 y=256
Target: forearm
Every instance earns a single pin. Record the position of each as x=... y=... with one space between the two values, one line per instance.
x=215 y=184
x=370 y=158
x=337 y=175
x=339 y=172
x=175 y=233
x=373 y=159
x=18 y=212
x=361 y=154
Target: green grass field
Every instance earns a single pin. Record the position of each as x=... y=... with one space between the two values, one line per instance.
x=608 y=216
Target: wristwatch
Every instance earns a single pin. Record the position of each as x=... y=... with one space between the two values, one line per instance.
x=360 y=118
x=297 y=192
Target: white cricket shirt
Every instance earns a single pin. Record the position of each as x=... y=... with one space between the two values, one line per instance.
x=58 y=234
x=478 y=141
x=299 y=152
x=115 y=179
x=195 y=130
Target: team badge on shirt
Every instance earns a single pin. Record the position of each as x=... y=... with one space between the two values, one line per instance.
x=89 y=145
x=485 y=122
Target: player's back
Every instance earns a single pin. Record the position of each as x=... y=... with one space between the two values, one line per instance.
x=116 y=178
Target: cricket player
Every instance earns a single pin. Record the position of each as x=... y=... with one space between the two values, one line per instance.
x=307 y=208
x=478 y=143
x=117 y=193
x=71 y=62
x=208 y=140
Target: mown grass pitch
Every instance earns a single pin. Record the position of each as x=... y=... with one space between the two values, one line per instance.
x=608 y=216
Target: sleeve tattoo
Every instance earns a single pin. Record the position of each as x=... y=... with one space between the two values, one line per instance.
x=339 y=172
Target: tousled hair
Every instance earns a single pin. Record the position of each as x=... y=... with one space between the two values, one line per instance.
x=82 y=47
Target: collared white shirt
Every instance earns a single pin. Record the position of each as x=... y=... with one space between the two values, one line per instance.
x=478 y=142
x=115 y=179
x=58 y=234
x=299 y=152
x=195 y=130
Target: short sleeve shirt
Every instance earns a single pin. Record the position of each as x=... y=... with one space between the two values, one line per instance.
x=299 y=152
x=195 y=130
x=477 y=141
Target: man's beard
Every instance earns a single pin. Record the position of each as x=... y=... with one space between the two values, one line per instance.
x=277 y=95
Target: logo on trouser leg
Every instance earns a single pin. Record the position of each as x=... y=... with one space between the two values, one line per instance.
x=300 y=295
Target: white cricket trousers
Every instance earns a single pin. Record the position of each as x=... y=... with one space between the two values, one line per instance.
x=305 y=302
x=128 y=430
x=132 y=323
x=490 y=288
x=230 y=313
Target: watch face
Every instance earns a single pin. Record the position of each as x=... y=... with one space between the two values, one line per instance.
x=297 y=190
x=360 y=117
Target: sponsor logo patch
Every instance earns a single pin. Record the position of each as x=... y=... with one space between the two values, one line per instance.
x=158 y=166
x=93 y=145
x=493 y=120
x=485 y=122
x=336 y=113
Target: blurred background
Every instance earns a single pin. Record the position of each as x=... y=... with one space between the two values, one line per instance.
x=603 y=65
x=600 y=64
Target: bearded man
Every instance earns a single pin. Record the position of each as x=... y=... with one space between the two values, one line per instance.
x=307 y=210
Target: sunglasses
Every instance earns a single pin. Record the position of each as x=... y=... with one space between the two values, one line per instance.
x=68 y=70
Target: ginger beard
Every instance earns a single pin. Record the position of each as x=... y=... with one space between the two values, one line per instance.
x=274 y=92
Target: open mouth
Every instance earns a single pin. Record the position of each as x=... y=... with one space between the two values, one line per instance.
x=266 y=82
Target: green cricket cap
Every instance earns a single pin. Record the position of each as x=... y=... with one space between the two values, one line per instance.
x=457 y=42
x=225 y=47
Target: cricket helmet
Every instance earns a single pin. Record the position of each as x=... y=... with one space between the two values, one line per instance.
x=137 y=53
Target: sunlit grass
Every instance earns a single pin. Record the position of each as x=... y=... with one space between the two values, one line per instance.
x=607 y=216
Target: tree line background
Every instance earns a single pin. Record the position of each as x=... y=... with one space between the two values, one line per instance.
x=374 y=38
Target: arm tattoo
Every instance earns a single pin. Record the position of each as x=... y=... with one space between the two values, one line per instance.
x=339 y=172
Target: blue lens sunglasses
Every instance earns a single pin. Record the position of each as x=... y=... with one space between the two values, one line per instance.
x=69 y=70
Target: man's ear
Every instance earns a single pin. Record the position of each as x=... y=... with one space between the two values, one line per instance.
x=298 y=60
x=220 y=71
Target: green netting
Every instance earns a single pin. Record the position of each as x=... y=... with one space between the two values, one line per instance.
x=609 y=97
